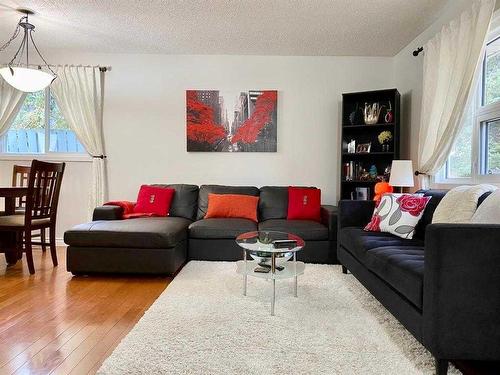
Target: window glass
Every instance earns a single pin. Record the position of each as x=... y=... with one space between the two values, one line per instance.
x=492 y=147
x=492 y=73
x=37 y=130
x=27 y=133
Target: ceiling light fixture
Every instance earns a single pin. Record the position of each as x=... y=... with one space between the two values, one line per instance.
x=18 y=72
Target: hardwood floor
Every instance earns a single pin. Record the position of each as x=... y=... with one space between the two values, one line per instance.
x=55 y=323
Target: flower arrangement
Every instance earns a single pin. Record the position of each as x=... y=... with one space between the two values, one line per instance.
x=385 y=137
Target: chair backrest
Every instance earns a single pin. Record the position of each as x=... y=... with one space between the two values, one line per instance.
x=44 y=186
x=20 y=177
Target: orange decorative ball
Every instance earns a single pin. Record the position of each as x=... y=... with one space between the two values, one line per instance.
x=380 y=189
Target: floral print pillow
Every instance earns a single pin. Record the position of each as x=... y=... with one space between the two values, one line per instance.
x=398 y=214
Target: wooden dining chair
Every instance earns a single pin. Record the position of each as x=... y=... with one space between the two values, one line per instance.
x=20 y=177
x=44 y=185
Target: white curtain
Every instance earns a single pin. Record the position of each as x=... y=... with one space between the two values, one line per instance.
x=11 y=101
x=79 y=92
x=450 y=61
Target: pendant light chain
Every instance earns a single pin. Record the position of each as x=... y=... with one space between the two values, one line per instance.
x=14 y=36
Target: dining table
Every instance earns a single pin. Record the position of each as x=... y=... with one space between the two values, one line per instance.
x=10 y=194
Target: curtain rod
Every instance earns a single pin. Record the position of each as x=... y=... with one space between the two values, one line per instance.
x=417 y=51
x=101 y=68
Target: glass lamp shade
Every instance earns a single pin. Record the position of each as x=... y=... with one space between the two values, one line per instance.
x=26 y=79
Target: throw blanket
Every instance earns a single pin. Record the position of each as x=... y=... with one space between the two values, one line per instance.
x=460 y=203
x=128 y=209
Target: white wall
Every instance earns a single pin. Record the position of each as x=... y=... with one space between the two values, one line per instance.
x=144 y=119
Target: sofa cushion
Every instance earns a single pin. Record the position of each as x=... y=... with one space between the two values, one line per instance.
x=185 y=201
x=358 y=241
x=426 y=219
x=153 y=200
x=436 y=196
x=400 y=267
x=148 y=232
x=308 y=230
x=232 y=206
x=304 y=204
x=273 y=202
x=460 y=203
x=488 y=212
x=398 y=214
x=220 y=228
x=220 y=189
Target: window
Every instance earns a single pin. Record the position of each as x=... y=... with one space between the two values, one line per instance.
x=475 y=156
x=40 y=128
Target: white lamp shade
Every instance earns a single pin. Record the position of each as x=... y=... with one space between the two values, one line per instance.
x=26 y=79
x=401 y=173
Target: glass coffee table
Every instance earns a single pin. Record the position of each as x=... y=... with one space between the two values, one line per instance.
x=273 y=257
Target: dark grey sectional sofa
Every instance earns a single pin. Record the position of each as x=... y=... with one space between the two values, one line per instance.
x=443 y=285
x=161 y=245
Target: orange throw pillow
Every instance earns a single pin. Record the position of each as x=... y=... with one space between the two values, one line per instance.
x=232 y=205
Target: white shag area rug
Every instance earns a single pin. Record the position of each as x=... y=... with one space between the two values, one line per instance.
x=202 y=324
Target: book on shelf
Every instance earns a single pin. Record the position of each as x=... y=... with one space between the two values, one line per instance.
x=352 y=170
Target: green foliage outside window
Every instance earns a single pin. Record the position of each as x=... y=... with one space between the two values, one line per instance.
x=32 y=113
x=492 y=79
x=493 y=147
x=492 y=95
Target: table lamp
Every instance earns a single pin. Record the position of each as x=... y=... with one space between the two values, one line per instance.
x=401 y=174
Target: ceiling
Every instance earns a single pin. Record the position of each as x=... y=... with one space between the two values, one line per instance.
x=219 y=27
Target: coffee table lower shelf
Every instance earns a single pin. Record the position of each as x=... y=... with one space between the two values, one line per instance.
x=291 y=269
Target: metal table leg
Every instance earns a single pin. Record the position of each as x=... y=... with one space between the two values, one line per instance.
x=245 y=273
x=295 y=266
x=273 y=270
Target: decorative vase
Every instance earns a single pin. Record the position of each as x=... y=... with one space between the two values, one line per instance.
x=386 y=147
x=354 y=116
x=372 y=113
x=389 y=115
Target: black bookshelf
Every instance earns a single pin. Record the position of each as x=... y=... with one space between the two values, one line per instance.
x=354 y=128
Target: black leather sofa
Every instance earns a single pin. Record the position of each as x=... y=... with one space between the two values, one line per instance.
x=161 y=245
x=443 y=285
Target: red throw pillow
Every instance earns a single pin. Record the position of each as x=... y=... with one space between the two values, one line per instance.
x=154 y=200
x=304 y=204
x=232 y=205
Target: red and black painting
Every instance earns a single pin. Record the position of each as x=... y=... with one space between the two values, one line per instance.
x=222 y=121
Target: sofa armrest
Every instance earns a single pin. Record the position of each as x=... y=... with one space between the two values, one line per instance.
x=107 y=213
x=461 y=306
x=354 y=213
x=329 y=219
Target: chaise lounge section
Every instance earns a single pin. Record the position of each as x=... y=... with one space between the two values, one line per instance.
x=151 y=245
